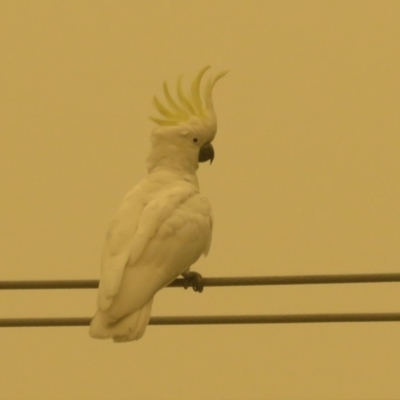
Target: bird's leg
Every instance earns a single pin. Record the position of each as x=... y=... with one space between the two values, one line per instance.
x=193 y=279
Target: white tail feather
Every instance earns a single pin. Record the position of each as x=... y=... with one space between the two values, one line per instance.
x=131 y=327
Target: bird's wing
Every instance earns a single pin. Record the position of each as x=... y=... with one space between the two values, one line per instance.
x=211 y=221
x=129 y=233
x=117 y=247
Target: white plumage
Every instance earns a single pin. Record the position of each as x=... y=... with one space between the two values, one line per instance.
x=164 y=224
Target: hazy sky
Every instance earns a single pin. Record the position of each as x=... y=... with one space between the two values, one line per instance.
x=305 y=181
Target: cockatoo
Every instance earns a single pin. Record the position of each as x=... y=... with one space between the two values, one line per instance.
x=164 y=224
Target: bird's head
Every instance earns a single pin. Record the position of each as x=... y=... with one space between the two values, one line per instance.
x=189 y=121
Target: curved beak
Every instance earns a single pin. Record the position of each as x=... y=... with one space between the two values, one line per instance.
x=206 y=153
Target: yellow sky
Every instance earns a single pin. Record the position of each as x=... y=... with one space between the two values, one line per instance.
x=305 y=181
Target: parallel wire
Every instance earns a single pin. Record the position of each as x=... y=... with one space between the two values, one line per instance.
x=218 y=282
x=215 y=319
x=222 y=319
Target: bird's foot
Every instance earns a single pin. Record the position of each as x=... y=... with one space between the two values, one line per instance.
x=193 y=279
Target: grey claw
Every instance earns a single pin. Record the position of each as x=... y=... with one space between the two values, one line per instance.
x=195 y=280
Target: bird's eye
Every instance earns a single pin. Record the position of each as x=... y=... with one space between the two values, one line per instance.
x=195 y=140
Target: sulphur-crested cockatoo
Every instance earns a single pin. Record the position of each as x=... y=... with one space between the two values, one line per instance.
x=164 y=224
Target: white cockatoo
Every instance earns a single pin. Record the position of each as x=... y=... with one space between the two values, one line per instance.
x=164 y=224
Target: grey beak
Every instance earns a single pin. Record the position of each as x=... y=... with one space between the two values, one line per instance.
x=206 y=153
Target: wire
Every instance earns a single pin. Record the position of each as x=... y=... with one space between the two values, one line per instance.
x=214 y=320
x=214 y=282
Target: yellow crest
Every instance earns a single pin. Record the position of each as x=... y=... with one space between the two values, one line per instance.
x=187 y=106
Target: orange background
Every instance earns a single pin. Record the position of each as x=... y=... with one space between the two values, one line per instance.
x=305 y=181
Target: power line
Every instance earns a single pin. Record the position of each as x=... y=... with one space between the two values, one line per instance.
x=215 y=319
x=217 y=282
x=222 y=319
